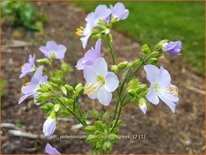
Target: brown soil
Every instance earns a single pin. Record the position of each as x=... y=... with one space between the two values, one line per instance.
x=164 y=131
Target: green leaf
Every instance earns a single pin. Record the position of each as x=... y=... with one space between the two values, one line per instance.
x=89 y=129
x=92 y=139
x=107 y=146
x=99 y=125
x=113 y=137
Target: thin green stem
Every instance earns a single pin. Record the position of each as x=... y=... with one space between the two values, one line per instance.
x=111 y=50
x=74 y=114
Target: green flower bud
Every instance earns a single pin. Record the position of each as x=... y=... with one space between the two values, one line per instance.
x=155 y=54
x=69 y=88
x=64 y=90
x=136 y=63
x=44 y=87
x=131 y=92
x=114 y=68
x=145 y=49
x=56 y=107
x=79 y=88
x=153 y=60
x=43 y=97
x=96 y=37
x=159 y=46
x=65 y=68
x=122 y=65
x=94 y=32
x=102 y=27
x=43 y=61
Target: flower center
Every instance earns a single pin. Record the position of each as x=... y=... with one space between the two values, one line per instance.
x=91 y=88
x=173 y=90
x=156 y=87
x=79 y=31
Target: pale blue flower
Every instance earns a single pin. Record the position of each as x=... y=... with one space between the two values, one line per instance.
x=28 y=67
x=173 y=48
x=30 y=88
x=100 y=83
x=92 y=19
x=119 y=11
x=90 y=56
x=161 y=87
x=53 y=48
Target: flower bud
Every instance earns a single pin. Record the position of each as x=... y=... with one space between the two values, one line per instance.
x=160 y=45
x=43 y=61
x=155 y=54
x=69 y=88
x=50 y=124
x=122 y=65
x=56 y=107
x=131 y=92
x=136 y=63
x=65 y=68
x=114 y=68
x=145 y=49
x=64 y=90
x=143 y=105
x=79 y=88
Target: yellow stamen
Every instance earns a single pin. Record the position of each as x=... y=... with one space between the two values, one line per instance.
x=89 y=86
x=24 y=85
x=86 y=91
x=92 y=93
x=79 y=31
x=176 y=95
x=171 y=88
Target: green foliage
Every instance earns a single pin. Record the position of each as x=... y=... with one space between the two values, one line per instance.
x=99 y=136
x=21 y=13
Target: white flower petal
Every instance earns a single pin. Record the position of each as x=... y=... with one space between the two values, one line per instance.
x=152 y=96
x=164 y=78
x=111 y=82
x=168 y=95
x=100 y=67
x=104 y=96
x=169 y=103
x=89 y=74
x=152 y=73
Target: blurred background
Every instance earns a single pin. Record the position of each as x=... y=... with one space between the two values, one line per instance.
x=26 y=26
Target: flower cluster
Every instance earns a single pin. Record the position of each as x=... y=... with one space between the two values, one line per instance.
x=103 y=82
x=101 y=13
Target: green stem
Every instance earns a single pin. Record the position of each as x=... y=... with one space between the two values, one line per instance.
x=82 y=122
x=111 y=50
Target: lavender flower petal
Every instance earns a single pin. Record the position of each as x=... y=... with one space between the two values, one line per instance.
x=51 y=150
